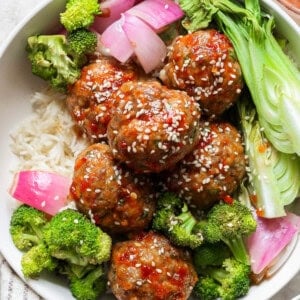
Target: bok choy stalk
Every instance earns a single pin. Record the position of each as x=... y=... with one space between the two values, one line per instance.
x=274 y=176
x=272 y=78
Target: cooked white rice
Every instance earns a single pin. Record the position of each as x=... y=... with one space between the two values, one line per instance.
x=47 y=140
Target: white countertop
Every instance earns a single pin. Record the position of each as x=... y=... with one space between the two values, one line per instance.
x=11 y=13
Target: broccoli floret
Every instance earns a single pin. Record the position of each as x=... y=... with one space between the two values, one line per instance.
x=72 y=237
x=51 y=61
x=26 y=227
x=90 y=286
x=227 y=282
x=210 y=255
x=174 y=219
x=79 y=14
x=229 y=223
x=206 y=288
x=80 y=43
x=36 y=260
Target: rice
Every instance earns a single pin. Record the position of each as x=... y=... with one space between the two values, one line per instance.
x=47 y=139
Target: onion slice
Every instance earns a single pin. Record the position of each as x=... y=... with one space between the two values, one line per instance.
x=270 y=239
x=157 y=13
x=116 y=42
x=111 y=11
x=45 y=191
x=148 y=47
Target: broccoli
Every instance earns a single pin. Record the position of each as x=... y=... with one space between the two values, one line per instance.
x=229 y=223
x=210 y=255
x=49 y=59
x=58 y=59
x=90 y=286
x=206 y=288
x=229 y=281
x=81 y=42
x=26 y=227
x=174 y=219
x=73 y=271
x=79 y=14
x=70 y=236
x=37 y=259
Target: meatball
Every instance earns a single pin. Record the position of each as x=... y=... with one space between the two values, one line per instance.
x=91 y=98
x=117 y=200
x=149 y=267
x=153 y=127
x=203 y=64
x=213 y=170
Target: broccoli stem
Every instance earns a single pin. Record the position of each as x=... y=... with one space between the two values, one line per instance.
x=33 y=238
x=95 y=274
x=186 y=219
x=72 y=257
x=218 y=274
x=238 y=249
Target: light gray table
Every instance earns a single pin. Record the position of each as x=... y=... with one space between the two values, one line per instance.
x=11 y=13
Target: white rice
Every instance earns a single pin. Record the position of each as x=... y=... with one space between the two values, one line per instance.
x=47 y=139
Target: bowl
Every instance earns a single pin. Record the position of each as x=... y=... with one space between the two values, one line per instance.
x=17 y=86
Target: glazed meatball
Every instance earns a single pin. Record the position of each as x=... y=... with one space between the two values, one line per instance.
x=213 y=170
x=91 y=98
x=150 y=268
x=153 y=127
x=106 y=191
x=203 y=64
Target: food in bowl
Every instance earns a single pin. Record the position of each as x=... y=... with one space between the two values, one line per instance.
x=227 y=200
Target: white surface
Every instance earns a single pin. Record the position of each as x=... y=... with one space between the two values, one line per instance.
x=17 y=89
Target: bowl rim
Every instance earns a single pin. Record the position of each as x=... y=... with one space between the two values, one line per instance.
x=272 y=6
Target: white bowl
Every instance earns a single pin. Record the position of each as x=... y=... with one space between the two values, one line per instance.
x=17 y=85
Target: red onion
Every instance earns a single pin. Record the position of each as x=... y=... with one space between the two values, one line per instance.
x=116 y=42
x=157 y=13
x=111 y=11
x=44 y=191
x=270 y=238
x=148 y=47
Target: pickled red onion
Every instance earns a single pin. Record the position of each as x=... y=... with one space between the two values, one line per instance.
x=45 y=191
x=157 y=13
x=148 y=47
x=111 y=11
x=116 y=41
x=270 y=238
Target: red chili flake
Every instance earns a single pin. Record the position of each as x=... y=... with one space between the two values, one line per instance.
x=227 y=199
x=260 y=212
x=93 y=127
x=262 y=148
x=146 y=271
x=123 y=145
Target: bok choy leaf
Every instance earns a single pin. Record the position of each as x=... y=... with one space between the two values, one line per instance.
x=274 y=176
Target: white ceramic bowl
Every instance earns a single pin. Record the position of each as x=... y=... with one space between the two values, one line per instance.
x=17 y=85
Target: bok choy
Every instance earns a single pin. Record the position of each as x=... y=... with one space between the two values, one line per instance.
x=272 y=78
x=274 y=176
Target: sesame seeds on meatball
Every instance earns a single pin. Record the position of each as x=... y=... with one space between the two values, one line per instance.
x=213 y=170
x=116 y=200
x=203 y=63
x=91 y=99
x=149 y=267
x=153 y=127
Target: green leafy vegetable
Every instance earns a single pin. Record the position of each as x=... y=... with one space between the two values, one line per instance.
x=274 y=176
